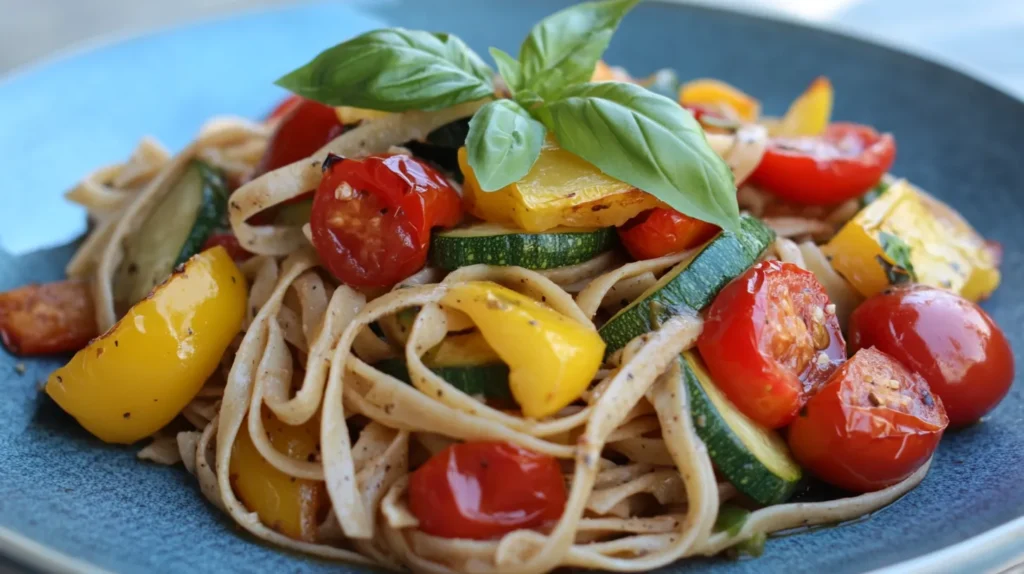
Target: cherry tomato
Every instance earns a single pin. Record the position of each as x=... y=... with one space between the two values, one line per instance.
x=870 y=426
x=372 y=217
x=949 y=340
x=283 y=107
x=228 y=241
x=305 y=127
x=661 y=231
x=483 y=490
x=843 y=163
x=771 y=337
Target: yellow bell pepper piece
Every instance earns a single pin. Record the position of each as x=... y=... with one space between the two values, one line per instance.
x=605 y=73
x=560 y=190
x=348 y=115
x=715 y=94
x=945 y=250
x=136 y=378
x=464 y=349
x=286 y=504
x=809 y=114
x=551 y=358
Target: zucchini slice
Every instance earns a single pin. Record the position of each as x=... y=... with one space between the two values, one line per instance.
x=175 y=230
x=754 y=459
x=498 y=245
x=692 y=284
x=467 y=362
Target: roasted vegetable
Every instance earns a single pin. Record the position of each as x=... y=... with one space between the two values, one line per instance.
x=49 y=318
x=716 y=95
x=286 y=504
x=809 y=114
x=907 y=235
x=138 y=376
x=551 y=358
x=560 y=190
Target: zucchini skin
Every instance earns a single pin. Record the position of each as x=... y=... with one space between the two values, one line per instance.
x=521 y=248
x=213 y=211
x=691 y=285
x=490 y=381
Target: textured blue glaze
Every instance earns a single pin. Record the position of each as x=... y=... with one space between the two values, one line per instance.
x=59 y=486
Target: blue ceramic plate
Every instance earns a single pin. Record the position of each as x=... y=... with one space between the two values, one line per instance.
x=62 y=490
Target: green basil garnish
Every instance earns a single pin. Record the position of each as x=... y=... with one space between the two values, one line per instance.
x=509 y=68
x=503 y=144
x=901 y=270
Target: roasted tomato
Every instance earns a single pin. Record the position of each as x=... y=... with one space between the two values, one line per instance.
x=662 y=231
x=283 y=107
x=372 y=217
x=230 y=243
x=870 y=426
x=770 y=338
x=945 y=338
x=843 y=163
x=483 y=490
x=49 y=318
x=305 y=127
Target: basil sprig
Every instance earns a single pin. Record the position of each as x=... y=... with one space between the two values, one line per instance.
x=630 y=133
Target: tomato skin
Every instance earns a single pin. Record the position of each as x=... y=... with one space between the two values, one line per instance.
x=662 y=231
x=766 y=346
x=372 y=217
x=482 y=490
x=304 y=127
x=949 y=340
x=843 y=163
x=283 y=107
x=859 y=434
x=229 y=242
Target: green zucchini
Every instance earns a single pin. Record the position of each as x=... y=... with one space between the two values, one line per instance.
x=497 y=245
x=175 y=230
x=692 y=284
x=441 y=146
x=754 y=459
x=467 y=362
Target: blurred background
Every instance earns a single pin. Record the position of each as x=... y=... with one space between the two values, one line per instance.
x=982 y=37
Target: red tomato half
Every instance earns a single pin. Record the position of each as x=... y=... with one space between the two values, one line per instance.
x=483 y=490
x=949 y=340
x=372 y=217
x=283 y=107
x=770 y=338
x=870 y=426
x=843 y=163
x=305 y=127
x=662 y=231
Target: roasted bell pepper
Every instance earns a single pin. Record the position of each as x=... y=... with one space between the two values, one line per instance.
x=49 y=318
x=551 y=358
x=809 y=114
x=288 y=505
x=605 y=73
x=134 y=379
x=943 y=249
x=349 y=115
x=716 y=94
x=560 y=190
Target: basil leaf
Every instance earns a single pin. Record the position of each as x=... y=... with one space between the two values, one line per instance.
x=901 y=270
x=509 y=68
x=647 y=141
x=394 y=70
x=503 y=144
x=570 y=41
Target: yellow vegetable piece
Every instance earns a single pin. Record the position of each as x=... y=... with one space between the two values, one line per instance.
x=551 y=358
x=560 y=190
x=288 y=505
x=945 y=250
x=716 y=94
x=137 y=377
x=605 y=73
x=347 y=115
x=464 y=349
x=809 y=114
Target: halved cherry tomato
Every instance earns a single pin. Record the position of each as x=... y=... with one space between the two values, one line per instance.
x=661 y=231
x=771 y=337
x=483 y=490
x=305 y=127
x=372 y=217
x=283 y=107
x=228 y=241
x=843 y=163
x=949 y=340
x=870 y=426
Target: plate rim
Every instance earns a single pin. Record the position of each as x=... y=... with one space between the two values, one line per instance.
x=994 y=551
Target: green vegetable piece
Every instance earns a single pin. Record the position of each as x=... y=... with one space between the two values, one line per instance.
x=901 y=270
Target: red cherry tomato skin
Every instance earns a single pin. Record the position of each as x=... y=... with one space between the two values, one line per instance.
x=283 y=107
x=372 y=217
x=843 y=163
x=482 y=490
x=948 y=340
x=770 y=338
x=305 y=127
x=229 y=242
x=662 y=231
x=870 y=426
